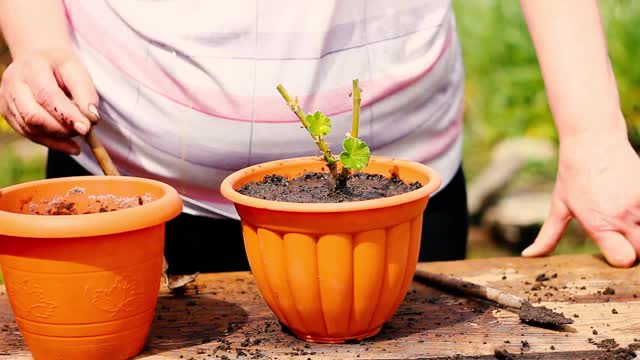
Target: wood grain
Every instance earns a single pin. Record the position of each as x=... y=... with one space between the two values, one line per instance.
x=223 y=315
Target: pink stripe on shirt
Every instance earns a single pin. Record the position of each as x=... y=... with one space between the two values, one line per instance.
x=442 y=141
x=129 y=56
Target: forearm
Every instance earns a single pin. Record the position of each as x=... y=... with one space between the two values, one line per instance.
x=31 y=26
x=571 y=47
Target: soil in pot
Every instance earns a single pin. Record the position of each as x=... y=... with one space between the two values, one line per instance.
x=318 y=187
x=75 y=202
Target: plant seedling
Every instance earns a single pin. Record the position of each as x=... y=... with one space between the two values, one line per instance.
x=355 y=152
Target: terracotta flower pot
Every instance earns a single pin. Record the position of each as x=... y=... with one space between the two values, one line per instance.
x=84 y=286
x=333 y=272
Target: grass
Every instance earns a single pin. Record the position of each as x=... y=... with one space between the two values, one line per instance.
x=505 y=94
x=13 y=170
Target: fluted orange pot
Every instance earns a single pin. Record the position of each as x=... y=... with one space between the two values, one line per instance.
x=333 y=272
x=84 y=286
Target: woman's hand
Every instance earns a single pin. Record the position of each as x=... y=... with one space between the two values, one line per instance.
x=49 y=99
x=597 y=183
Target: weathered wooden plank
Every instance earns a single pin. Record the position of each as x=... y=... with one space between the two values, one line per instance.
x=223 y=315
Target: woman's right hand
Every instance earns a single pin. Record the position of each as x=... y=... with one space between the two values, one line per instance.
x=49 y=100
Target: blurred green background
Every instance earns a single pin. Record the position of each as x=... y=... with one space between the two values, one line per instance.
x=504 y=98
x=505 y=95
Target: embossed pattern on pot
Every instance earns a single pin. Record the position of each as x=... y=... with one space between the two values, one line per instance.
x=112 y=305
x=334 y=286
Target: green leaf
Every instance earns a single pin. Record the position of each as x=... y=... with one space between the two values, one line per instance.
x=356 y=153
x=318 y=124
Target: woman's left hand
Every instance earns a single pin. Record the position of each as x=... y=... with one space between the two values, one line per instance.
x=598 y=183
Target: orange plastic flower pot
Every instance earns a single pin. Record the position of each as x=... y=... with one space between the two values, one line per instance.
x=84 y=286
x=333 y=272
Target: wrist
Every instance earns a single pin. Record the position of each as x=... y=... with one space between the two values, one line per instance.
x=57 y=54
x=593 y=127
x=592 y=145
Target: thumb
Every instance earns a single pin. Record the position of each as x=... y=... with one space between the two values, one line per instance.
x=551 y=231
x=78 y=82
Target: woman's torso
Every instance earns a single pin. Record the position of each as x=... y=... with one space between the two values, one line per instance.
x=188 y=88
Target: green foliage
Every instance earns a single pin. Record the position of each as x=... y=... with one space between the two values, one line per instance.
x=621 y=19
x=356 y=154
x=318 y=124
x=13 y=170
x=505 y=94
x=4 y=126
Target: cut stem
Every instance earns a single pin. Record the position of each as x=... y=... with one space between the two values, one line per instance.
x=355 y=121
x=331 y=161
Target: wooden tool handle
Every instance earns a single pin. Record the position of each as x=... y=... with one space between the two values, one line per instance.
x=101 y=154
x=468 y=288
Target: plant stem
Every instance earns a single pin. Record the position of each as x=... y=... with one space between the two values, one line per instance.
x=331 y=161
x=355 y=120
x=356 y=109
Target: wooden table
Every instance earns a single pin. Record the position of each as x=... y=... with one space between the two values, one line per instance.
x=223 y=316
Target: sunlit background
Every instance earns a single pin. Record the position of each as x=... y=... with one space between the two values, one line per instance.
x=507 y=119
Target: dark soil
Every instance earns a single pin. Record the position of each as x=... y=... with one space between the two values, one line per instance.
x=314 y=187
x=614 y=351
x=607 y=344
x=609 y=291
x=75 y=202
x=502 y=354
x=542 y=277
x=619 y=354
x=540 y=315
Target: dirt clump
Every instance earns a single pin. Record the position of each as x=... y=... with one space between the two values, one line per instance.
x=607 y=344
x=541 y=315
x=613 y=351
x=543 y=277
x=76 y=202
x=608 y=291
x=503 y=354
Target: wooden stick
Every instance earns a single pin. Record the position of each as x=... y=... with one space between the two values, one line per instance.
x=468 y=288
x=172 y=281
x=101 y=154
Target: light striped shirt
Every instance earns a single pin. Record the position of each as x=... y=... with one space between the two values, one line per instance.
x=188 y=87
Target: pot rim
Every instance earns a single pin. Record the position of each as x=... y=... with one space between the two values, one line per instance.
x=162 y=209
x=228 y=191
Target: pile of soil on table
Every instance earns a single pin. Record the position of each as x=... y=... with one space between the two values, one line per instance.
x=75 y=202
x=542 y=315
x=316 y=187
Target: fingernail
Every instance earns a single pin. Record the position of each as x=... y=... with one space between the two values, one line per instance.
x=81 y=127
x=93 y=110
x=527 y=251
